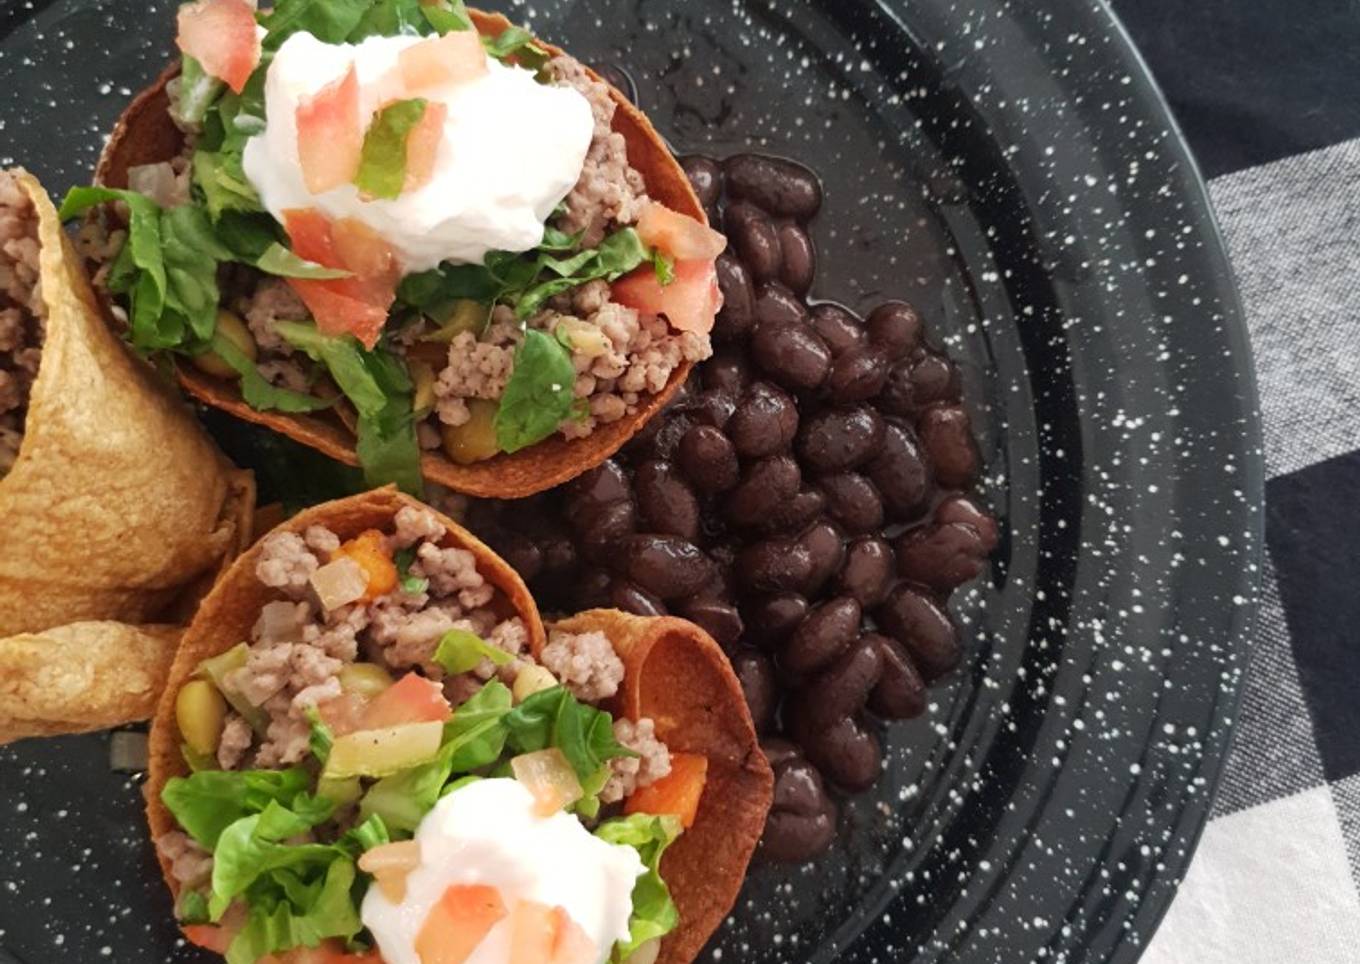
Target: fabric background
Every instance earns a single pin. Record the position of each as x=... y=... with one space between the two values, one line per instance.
x=1268 y=95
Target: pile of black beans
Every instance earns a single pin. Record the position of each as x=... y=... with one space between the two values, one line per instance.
x=803 y=499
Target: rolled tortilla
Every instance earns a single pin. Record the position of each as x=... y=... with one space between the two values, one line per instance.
x=117 y=508
x=676 y=674
x=146 y=135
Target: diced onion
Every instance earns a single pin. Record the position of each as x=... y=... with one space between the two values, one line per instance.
x=278 y=622
x=390 y=864
x=547 y=774
x=339 y=583
x=127 y=752
x=156 y=181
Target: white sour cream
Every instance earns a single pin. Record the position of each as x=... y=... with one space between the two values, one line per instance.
x=512 y=150
x=487 y=833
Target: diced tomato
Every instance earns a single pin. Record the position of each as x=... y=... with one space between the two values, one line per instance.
x=540 y=934
x=679 y=235
x=422 y=146
x=458 y=923
x=454 y=58
x=330 y=952
x=344 y=714
x=330 y=137
x=357 y=305
x=411 y=699
x=690 y=302
x=207 y=936
x=677 y=793
x=369 y=550
x=221 y=35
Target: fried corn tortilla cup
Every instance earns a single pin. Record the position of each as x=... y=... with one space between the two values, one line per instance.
x=678 y=676
x=145 y=134
x=116 y=504
x=669 y=678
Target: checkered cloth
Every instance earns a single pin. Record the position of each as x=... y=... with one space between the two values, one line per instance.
x=1276 y=878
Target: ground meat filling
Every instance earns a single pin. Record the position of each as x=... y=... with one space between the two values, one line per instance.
x=298 y=648
x=22 y=314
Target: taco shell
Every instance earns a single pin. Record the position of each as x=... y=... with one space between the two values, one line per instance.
x=676 y=674
x=117 y=499
x=145 y=134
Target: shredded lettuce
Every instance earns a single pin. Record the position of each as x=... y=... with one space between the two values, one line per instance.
x=382 y=163
x=540 y=394
x=208 y=802
x=555 y=718
x=193 y=92
x=518 y=45
x=461 y=651
x=332 y=21
x=293 y=910
x=654 y=912
x=402 y=559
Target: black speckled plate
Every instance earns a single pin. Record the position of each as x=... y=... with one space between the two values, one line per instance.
x=1009 y=167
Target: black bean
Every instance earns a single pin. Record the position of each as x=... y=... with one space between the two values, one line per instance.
x=770 y=619
x=843 y=688
x=895 y=327
x=521 y=552
x=802 y=819
x=667 y=566
x=763 y=487
x=898 y=395
x=644 y=438
x=838 y=326
x=900 y=693
x=827 y=632
x=667 y=440
x=934 y=379
x=833 y=441
x=665 y=501
x=764 y=423
x=900 y=474
x=591 y=590
x=705 y=176
x=959 y=508
x=800 y=257
x=779 y=186
x=605 y=484
x=847 y=752
x=711 y=407
x=559 y=553
x=755 y=672
x=852 y=500
x=775 y=304
x=947 y=435
x=791 y=353
x=794 y=514
x=634 y=599
x=924 y=628
x=754 y=240
x=857 y=375
x=942 y=557
x=739 y=298
x=867 y=572
x=605 y=530
x=727 y=371
x=826 y=544
x=707 y=458
x=717 y=618
x=774 y=565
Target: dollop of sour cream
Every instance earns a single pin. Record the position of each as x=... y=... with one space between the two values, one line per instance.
x=487 y=833
x=512 y=149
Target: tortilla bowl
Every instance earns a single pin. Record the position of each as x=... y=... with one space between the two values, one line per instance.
x=117 y=499
x=677 y=674
x=146 y=135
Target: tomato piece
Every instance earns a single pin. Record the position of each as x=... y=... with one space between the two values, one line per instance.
x=573 y=945
x=329 y=952
x=344 y=714
x=690 y=302
x=454 y=58
x=207 y=936
x=221 y=35
x=357 y=305
x=369 y=550
x=422 y=146
x=458 y=922
x=677 y=793
x=330 y=137
x=411 y=699
x=679 y=235
x=540 y=934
